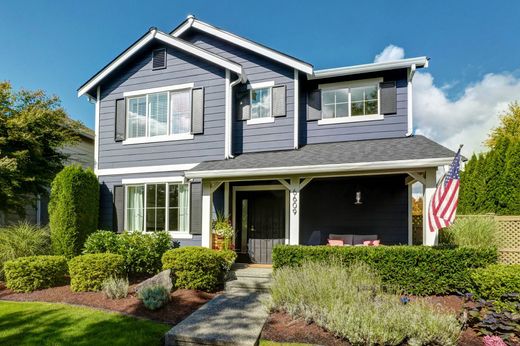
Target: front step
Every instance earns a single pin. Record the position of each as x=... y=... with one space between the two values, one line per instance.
x=249 y=278
x=258 y=284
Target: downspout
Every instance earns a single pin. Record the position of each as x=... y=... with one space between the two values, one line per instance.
x=229 y=112
x=411 y=72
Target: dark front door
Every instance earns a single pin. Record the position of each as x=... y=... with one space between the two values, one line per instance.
x=260 y=223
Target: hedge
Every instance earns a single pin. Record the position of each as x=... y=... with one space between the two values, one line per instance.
x=197 y=268
x=26 y=274
x=142 y=251
x=73 y=209
x=88 y=272
x=496 y=280
x=420 y=270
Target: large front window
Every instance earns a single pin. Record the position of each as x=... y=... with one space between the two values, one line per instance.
x=350 y=101
x=159 y=114
x=157 y=207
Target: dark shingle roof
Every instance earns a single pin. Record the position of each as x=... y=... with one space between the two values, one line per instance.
x=376 y=150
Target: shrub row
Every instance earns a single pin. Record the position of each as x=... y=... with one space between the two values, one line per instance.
x=418 y=270
x=198 y=268
x=496 y=280
x=88 y=272
x=26 y=274
x=142 y=252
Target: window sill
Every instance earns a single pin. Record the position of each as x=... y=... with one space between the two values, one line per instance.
x=181 y=235
x=352 y=119
x=265 y=120
x=143 y=140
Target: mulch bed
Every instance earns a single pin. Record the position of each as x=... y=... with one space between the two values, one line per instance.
x=182 y=303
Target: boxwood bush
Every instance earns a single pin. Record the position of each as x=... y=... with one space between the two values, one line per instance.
x=496 y=280
x=196 y=268
x=142 y=251
x=73 y=209
x=26 y=274
x=421 y=270
x=88 y=272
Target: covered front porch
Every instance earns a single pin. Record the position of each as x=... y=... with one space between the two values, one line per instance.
x=297 y=197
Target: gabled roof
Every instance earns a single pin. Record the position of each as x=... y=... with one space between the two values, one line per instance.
x=152 y=34
x=192 y=22
x=403 y=153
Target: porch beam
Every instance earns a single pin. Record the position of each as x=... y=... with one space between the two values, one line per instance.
x=215 y=185
x=409 y=180
x=305 y=182
x=294 y=211
x=206 y=214
x=417 y=176
x=429 y=238
x=285 y=183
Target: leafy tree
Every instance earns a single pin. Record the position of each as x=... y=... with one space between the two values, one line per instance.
x=33 y=128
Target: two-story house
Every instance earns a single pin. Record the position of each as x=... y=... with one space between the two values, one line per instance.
x=200 y=120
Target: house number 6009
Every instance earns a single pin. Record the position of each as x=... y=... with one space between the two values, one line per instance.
x=295 y=202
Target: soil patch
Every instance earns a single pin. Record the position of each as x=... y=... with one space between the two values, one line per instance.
x=182 y=303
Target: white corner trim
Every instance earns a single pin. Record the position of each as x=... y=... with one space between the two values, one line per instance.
x=296 y=104
x=146 y=169
x=180 y=235
x=252 y=46
x=261 y=85
x=155 y=139
x=317 y=169
x=351 y=119
x=257 y=121
x=168 y=179
x=159 y=89
x=96 y=127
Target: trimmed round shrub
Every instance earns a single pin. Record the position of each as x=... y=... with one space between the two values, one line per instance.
x=496 y=280
x=229 y=256
x=142 y=251
x=195 y=267
x=88 y=272
x=73 y=209
x=26 y=274
x=154 y=296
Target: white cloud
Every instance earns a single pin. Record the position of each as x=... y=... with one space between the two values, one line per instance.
x=390 y=53
x=466 y=119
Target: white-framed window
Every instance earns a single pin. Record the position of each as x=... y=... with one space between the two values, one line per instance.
x=158 y=115
x=151 y=207
x=351 y=101
x=261 y=103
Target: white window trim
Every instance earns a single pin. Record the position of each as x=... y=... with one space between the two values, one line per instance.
x=135 y=181
x=348 y=85
x=173 y=234
x=155 y=139
x=143 y=92
x=265 y=120
x=262 y=85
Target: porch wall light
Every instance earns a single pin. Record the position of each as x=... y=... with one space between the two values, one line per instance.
x=358 y=198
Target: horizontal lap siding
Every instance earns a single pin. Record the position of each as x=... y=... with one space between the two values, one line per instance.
x=138 y=75
x=106 y=198
x=259 y=137
x=392 y=126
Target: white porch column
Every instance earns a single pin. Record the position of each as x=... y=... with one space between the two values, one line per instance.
x=294 y=211
x=429 y=238
x=206 y=214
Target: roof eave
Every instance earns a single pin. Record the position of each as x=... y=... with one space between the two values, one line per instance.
x=321 y=169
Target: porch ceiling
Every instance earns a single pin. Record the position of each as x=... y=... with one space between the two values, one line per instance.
x=378 y=154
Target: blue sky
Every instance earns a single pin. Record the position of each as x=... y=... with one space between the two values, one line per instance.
x=57 y=45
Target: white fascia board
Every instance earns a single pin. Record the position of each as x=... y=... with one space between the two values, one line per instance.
x=365 y=68
x=146 y=169
x=227 y=36
x=318 y=169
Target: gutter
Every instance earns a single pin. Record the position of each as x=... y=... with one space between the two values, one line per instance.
x=409 y=88
x=229 y=112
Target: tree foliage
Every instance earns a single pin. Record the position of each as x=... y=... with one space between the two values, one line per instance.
x=73 y=209
x=490 y=182
x=33 y=128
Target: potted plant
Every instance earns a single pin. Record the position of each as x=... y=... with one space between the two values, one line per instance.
x=223 y=233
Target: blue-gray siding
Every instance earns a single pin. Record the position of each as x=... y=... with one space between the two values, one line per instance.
x=259 y=137
x=392 y=126
x=138 y=75
x=384 y=210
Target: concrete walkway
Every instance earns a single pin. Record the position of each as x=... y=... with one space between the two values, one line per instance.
x=233 y=318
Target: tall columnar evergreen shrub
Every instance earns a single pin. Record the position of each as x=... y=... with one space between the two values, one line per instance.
x=73 y=209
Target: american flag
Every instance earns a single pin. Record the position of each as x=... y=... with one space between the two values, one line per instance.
x=443 y=206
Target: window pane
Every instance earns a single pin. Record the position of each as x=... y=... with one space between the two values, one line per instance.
x=180 y=112
x=160 y=219
x=150 y=195
x=179 y=208
x=327 y=97
x=371 y=93
x=174 y=201
x=261 y=103
x=357 y=94
x=357 y=108
x=161 y=196
x=371 y=107
x=327 y=111
x=137 y=117
x=184 y=208
x=173 y=223
x=341 y=95
x=158 y=118
x=342 y=110
x=135 y=209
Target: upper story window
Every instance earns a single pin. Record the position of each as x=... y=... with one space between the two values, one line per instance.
x=159 y=114
x=261 y=103
x=350 y=101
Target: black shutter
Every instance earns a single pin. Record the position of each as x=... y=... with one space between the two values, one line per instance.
x=120 y=125
x=196 y=207
x=314 y=105
x=388 y=97
x=118 y=221
x=242 y=103
x=279 y=100
x=197 y=111
x=159 y=59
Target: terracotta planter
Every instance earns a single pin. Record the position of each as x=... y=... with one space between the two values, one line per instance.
x=218 y=243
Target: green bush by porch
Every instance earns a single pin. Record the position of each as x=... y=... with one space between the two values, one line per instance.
x=418 y=270
x=88 y=272
x=496 y=280
x=26 y=274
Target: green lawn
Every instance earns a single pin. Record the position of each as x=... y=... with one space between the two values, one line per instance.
x=60 y=324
